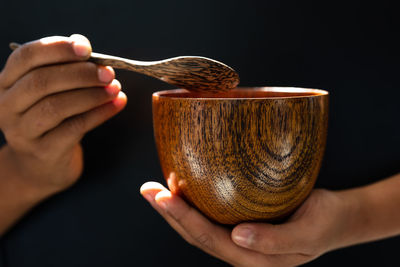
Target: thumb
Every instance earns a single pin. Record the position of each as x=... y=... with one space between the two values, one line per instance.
x=288 y=238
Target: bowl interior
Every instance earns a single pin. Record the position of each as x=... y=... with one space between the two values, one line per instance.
x=246 y=93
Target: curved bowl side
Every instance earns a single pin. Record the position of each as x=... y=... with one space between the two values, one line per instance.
x=247 y=159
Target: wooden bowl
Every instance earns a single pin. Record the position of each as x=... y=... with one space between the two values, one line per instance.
x=250 y=154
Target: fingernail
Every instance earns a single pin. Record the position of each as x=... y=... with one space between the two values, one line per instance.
x=81 y=49
x=120 y=100
x=243 y=237
x=105 y=74
x=81 y=45
x=113 y=88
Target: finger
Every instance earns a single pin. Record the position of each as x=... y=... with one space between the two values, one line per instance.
x=44 y=81
x=70 y=132
x=287 y=238
x=202 y=233
x=52 y=110
x=46 y=51
x=149 y=191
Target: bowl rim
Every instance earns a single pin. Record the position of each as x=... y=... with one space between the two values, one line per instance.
x=279 y=89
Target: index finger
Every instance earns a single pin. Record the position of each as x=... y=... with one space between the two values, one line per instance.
x=45 y=51
x=188 y=222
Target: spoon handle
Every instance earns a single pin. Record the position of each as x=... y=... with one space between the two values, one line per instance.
x=120 y=63
x=150 y=68
x=144 y=67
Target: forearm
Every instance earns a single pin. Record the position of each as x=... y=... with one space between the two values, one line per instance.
x=373 y=211
x=16 y=197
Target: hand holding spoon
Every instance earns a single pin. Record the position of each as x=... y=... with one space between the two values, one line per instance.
x=198 y=74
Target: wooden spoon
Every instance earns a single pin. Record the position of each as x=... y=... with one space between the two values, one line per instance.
x=197 y=74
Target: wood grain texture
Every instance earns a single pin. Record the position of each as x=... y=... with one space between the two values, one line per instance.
x=197 y=74
x=248 y=155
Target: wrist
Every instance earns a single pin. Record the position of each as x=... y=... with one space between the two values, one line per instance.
x=16 y=196
x=354 y=217
x=15 y=178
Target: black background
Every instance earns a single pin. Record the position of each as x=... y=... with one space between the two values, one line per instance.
x=347 y=48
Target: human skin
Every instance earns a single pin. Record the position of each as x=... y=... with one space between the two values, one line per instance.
x=326 y=221
x=50 y=96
